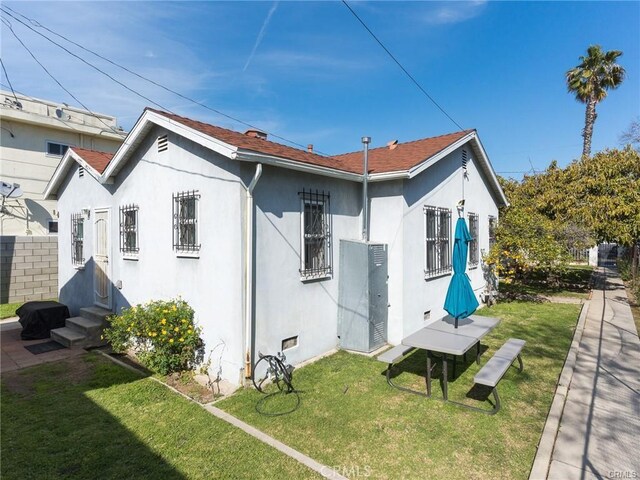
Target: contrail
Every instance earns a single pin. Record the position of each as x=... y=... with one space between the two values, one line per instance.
x=261 y=34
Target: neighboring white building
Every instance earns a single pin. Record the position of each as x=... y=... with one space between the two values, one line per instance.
x=35 y=135
x=249 y=232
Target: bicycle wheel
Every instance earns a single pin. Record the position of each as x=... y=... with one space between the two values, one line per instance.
x=269 y=375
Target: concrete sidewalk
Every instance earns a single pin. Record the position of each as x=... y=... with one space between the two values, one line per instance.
x=599 y=435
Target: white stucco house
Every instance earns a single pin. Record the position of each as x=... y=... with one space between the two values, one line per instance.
x=252 y=233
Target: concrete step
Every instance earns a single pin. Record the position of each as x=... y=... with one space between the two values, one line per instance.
x=96 y=313
x=87 y=326
x=68 y=337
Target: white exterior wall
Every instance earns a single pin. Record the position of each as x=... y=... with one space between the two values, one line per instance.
x=212 y=284
x=24 y=158
x=386 y=208
x=440 y=186
x=285 y=306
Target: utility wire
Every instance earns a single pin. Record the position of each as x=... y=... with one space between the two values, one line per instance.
x=8 y=24
x=35 y=100
x=87 y=63
x=9 y=81
x=142 y=77
x=400 y=65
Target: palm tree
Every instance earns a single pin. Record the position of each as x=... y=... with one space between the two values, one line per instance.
x=590 y=81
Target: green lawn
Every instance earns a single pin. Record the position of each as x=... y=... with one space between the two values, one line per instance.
x=88 y=418
x=573 y=282
x=8 y=310
x=349 y=417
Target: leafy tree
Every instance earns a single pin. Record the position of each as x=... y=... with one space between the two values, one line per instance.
x=597 y=73
x=605 y=194
x=529 y=235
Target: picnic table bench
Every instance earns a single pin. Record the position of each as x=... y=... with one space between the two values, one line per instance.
x=493 y=371
x=439 y=337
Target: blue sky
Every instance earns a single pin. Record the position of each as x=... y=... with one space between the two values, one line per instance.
x=309 y=72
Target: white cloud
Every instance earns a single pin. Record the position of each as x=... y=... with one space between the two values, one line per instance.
x=455 y=12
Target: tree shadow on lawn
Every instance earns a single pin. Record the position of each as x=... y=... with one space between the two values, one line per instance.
x=51 y=428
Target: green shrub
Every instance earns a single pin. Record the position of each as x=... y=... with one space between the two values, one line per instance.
x=161 y=333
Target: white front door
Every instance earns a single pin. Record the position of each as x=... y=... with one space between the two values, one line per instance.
x=101 y=282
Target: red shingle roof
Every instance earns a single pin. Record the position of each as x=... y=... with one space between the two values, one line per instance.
x=97 y=160
x=258 y=145
x=402 y=158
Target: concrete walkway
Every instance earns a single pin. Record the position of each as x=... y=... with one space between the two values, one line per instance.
x=599 y=435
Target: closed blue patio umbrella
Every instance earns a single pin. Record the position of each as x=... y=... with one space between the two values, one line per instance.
x=461 y=301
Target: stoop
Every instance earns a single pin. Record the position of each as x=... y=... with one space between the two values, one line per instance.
x=84 y=330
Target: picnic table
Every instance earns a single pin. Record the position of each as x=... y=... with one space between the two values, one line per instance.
x=442 y=337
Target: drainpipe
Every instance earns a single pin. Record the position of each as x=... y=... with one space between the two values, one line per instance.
x=248 y=295
x=365 y=194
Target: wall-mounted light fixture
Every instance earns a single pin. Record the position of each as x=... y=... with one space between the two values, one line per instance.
x=86 y=213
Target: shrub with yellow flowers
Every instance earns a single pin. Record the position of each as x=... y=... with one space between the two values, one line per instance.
x=162 y=334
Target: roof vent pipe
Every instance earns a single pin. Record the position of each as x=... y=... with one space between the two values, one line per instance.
x=310 y=148
x=365 y=195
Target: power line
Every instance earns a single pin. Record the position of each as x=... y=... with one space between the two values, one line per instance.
x=142 y=77
x=89 y=64
x=6 y=22
x=400 y=65
x=8 y=80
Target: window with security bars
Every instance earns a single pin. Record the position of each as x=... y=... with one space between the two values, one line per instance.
x=437 y=241
x=473 y=244
x=316 y=246
x=185 y=221
x=492 y=231
x=77 y=239
x=129 y=229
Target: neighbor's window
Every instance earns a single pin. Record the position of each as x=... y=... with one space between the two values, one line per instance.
x=473 y=244
x=77 y=239
x=57 y=149
x=129 y=229
x=315 y=242
x=492 y=231
x=437 y=241
x=185 y=221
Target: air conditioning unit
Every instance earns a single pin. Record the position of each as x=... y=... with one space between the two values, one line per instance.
x=363 y=295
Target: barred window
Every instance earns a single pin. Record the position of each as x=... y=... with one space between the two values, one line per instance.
x=77 y=239
x=129 y=229
x=185 y=221
x=315 y=243
x=437 y=241
x=473 y=244
x=492 y=230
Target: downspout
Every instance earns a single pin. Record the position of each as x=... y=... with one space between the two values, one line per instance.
x=365 y=193
x=248 y=294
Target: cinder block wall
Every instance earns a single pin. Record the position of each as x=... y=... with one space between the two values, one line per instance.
x=28 y=268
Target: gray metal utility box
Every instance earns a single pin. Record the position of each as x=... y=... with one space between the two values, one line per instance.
x=363 y=297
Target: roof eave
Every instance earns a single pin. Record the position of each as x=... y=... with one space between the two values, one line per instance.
x=251 y=156
x=141 y=128
x=61 y=171
x=489 y=171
